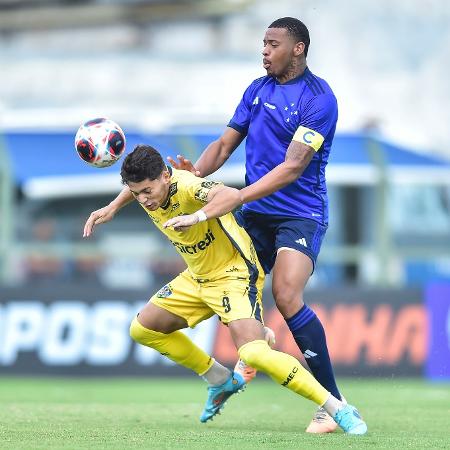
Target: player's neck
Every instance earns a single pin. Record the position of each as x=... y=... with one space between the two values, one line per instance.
x=293 y=71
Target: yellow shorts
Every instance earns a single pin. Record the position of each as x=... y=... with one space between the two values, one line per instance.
x=232 y=297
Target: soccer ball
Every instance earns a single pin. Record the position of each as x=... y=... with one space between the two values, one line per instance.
x=100 y=142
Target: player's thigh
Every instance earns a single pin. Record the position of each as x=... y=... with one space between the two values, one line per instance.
x=303 y=235
x=291 y=272
x=182 y=297
x=236 y=297
x=158 y=319
x=298 y=243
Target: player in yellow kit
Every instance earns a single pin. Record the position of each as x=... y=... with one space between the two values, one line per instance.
x=223 y=277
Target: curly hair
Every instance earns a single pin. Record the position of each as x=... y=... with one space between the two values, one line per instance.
x=296 y=28
x=144 y=162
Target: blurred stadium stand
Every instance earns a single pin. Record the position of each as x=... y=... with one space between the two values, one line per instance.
x=125 y=64
x=390 y=208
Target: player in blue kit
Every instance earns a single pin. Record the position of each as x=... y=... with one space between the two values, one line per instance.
x=288 y=118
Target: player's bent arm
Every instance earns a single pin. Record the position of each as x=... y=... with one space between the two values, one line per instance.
x=220 y=201
x=223 y=199
x=298 y=156
x=217 y=152
x=106 y=213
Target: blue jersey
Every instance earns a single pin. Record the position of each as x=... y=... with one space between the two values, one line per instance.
x=271 y=115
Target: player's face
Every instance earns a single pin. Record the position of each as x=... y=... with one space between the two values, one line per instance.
x=279 y=52
x=151 y=193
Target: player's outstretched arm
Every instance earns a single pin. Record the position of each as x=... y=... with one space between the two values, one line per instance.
x=213 y=157
x=223 y=199
x=106 y=213
x=298 y=156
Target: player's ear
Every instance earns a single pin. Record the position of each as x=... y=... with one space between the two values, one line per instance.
x=299 y=48
x=166 y=175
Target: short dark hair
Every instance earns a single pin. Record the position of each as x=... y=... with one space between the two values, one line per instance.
x=296 y=28
x=144 y=162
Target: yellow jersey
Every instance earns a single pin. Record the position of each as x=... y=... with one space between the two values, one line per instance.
x=209 y=246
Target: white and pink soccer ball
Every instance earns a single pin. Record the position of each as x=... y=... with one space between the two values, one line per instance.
x=100 y=142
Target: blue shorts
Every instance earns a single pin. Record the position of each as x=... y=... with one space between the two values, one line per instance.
x=270 y=233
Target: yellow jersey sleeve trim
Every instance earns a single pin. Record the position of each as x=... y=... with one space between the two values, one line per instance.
x=308 y=137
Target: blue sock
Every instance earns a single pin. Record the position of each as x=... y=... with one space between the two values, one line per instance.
x=310 y=337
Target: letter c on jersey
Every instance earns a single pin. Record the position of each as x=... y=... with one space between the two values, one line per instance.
x=305 y=139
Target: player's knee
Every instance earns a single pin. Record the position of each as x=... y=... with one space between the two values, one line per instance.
x=287 y=300
x=143 y=335
x=253 y=353
x=284 y=295
x=136 y=330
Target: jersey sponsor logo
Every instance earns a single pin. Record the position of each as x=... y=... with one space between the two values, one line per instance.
x=202 y=193
x=269 y=105
x=175 y=206
x=173 y=189
x=290 y=376
x=209 y=184
x=199 y=246
x=164 y=292
x=302 y=241
x=256 y=101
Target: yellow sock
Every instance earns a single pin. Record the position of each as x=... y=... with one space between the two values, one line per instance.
x=176 y=346
x=284 y=369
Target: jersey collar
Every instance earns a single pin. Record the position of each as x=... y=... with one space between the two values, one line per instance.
x=172 y=190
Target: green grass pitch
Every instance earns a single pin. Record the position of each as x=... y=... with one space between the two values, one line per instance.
x=154 y=413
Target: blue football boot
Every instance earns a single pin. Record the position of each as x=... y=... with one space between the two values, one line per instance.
x=350 y=421
x=218 y=395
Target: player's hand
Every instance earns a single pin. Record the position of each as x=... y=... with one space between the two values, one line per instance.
x=102 y=215
x=183 y=164
x=181 y=223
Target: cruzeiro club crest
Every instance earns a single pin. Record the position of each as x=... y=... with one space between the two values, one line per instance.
x=164 y=292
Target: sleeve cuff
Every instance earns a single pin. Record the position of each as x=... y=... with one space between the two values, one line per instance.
x=237 y=127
